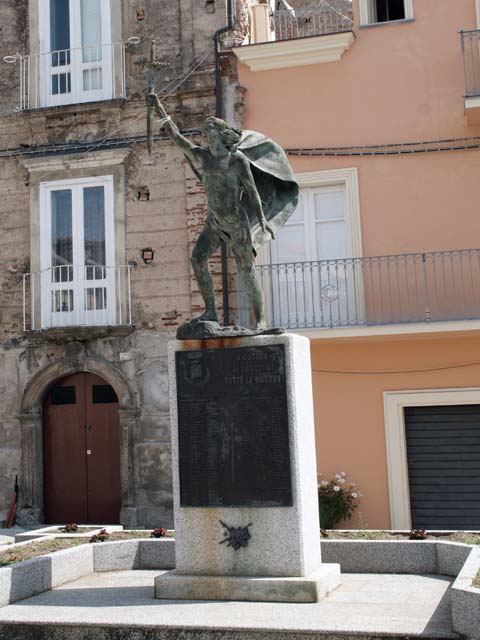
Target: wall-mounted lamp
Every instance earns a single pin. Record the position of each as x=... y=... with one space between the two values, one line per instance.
x=210 y=6
x=143 y=194
x=147 y=255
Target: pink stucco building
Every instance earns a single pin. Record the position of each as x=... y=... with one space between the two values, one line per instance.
x=377 y=103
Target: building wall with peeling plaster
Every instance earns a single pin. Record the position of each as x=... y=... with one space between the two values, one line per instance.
x=164 y=293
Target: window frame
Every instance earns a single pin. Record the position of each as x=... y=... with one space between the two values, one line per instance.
x=79 y=95
x=365 y=13
x=348 y=180
x=107 y=316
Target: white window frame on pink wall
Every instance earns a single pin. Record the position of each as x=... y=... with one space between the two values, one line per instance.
x=367 y=9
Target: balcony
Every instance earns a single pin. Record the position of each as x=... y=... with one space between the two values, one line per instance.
x=295 y=37
x=77 y=296
x=470 y=43
x=71 y=76
x=375 y=291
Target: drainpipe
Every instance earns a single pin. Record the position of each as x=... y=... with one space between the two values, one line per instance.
x=219 y=114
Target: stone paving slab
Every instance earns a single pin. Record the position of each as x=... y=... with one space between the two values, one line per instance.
x=365 y=605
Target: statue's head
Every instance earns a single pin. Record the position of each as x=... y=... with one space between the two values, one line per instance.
x=216 y=130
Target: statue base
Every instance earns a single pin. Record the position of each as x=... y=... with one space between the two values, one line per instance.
x=312 y=588
x=200 y=329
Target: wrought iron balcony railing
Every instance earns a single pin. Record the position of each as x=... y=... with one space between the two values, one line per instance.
x=77 y=295
x=289 y=23
x=470 y=42
x=381 y=290
x=321 y=19
x=71 y=76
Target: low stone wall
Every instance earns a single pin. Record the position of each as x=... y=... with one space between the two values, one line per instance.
x=35 y=576
x=134 y=554
x=381 y=556
x=465 y=599
x=462 y=561
x=444 y=558
x=396 y=556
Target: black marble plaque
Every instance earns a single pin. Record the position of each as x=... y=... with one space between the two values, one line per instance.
x=233 y=428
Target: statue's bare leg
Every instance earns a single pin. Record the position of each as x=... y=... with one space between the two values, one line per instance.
x=244 y=259
x=207 y=243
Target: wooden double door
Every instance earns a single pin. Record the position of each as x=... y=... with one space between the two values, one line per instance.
x=81 y=444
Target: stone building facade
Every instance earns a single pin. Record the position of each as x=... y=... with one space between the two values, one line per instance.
x=50 y=138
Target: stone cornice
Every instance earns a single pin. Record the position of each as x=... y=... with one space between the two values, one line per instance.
x=295 y=53
x=82 y=160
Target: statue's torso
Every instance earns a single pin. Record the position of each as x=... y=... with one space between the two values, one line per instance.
x=222 y=184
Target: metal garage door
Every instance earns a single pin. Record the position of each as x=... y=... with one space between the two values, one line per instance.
x=443 y=450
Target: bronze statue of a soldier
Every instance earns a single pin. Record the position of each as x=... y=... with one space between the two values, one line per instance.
x=251 y=192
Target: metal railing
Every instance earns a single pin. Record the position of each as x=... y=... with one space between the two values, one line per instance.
x=321 y=19
x=470 y=42
x=71 y=76
x=381 y=290
x=71 y=295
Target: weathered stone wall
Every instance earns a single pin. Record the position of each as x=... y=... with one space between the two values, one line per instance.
x=164 y=293
x=147 y=380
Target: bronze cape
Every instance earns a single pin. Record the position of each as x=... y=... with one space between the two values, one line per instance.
x=275 y=183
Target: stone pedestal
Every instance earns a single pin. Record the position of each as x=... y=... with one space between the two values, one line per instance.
x=244 y=473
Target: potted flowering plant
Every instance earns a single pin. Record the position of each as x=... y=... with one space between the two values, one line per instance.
x=337 y=500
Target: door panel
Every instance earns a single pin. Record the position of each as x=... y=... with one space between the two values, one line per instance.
x=103 y=440
x=82 y=452
x=65 y=473
x=443 y=452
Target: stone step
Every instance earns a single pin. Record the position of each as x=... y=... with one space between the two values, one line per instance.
x=94 y=632
x=120 y=605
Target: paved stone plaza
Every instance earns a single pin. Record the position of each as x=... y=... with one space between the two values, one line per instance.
x=122 y=605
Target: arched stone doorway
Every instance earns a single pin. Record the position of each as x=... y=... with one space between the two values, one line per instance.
x=31 y=497
x=81 y=451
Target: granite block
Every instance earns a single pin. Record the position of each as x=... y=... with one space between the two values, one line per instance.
x=30 y=577
x=285 y=540
x=465 y=599
x=157 y=554
x=116 y=556
x=451 y=556
x=5 y=585
x=71 y=564
x=465 y=605
x=174 y=586
x=381 y=556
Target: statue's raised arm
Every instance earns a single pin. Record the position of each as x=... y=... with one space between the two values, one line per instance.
x=192 y=151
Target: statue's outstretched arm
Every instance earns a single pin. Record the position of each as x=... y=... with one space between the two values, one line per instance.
x=191 y=150
x=248 y=181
